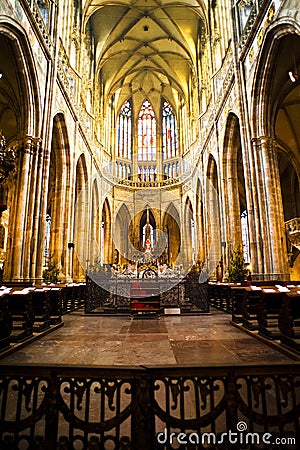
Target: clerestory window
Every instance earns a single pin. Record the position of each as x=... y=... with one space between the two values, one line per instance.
x=124 y=131
x=169 y=131
x=146 y=133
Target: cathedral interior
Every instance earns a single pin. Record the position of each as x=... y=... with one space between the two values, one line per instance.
x=186 y=110
x=149 y=137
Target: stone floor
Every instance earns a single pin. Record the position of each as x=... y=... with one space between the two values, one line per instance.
x=121 y=341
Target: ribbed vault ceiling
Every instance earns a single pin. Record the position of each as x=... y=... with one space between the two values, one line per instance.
x=146 y=48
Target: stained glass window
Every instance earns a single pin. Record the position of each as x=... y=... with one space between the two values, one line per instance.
x=245 y=236
x=169 y=131
x=47 y=239
x=124 y=131
x=146 y=133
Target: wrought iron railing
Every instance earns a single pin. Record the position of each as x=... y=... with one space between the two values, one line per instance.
x=140 y=407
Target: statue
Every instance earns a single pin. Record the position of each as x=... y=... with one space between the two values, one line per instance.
x=7 y=158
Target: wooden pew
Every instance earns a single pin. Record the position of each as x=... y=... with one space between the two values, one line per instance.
x=253 y=301
x=237 y=297
x=21 y=309
x=55 y=304
x=6 y=323
x=268 y=309
x=289 y=320
x=249 y=306
x=41 y=306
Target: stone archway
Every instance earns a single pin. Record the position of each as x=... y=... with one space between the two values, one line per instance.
x=213 y=222
x=234 y=186
x=276 y=109
x=287 y=141
x=201 y=247
x=19 y=122
x=81 y=222
x=95 y=244
x=121 y=236
x=58 y=195
x=171 y=228
x=189 y=230
x=106 y=235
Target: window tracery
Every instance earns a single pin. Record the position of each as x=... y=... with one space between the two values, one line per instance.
x=169 y=131
x=124 y=131
x=146 y=133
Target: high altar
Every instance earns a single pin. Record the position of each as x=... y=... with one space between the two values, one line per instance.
x=145 y=289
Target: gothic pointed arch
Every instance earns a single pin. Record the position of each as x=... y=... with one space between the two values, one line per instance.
x=57 y=211
x=189 y=234
x=124 y=131
x=95 y=240
x=20 y=111
x=275 y=126
x=234 y=187
x=23 y=104
x=81 y=224
x=106 y=234
x=147 y=228
x=201 y=247
x=146 y=130
x=213 y=221
x=171 y=229
x=169 y=127
x=121 y=235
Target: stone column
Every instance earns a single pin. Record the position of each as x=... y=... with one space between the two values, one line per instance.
x=33 y=209
x=271 y=210
x=37 y=248
x=252 y=180
x=20 y=213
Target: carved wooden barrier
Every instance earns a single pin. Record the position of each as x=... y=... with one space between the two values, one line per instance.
x=146 y=408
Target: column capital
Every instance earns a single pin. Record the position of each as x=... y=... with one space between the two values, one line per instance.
x=28 y=144
x=263 y=142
